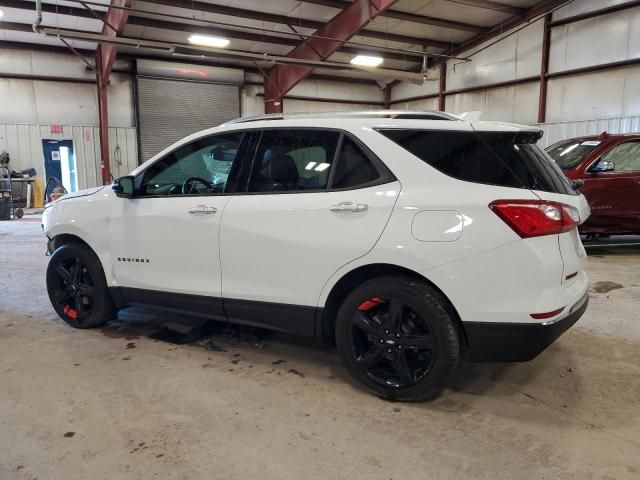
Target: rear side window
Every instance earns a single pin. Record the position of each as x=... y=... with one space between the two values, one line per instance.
x=354 y=167
x=291 y=160
x=494 y=158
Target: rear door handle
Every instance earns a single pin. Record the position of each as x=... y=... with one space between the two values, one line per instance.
x=202 y=210
x=349 y=207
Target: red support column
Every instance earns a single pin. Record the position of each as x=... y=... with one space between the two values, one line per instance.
x=442 y=87
x=387 y=96
x=342 y=27
x=103 y=120
x=544 y=69
x=114 y=23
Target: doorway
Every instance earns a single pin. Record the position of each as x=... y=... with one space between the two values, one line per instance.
x=60 y=163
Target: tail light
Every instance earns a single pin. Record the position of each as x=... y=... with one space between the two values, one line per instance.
x=535 y=218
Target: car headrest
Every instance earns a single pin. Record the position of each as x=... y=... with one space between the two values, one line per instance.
x=284 y=170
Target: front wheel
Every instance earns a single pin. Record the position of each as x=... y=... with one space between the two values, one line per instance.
x=77 y=287
x=397 y=337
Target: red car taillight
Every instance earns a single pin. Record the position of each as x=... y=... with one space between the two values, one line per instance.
x=534 y=218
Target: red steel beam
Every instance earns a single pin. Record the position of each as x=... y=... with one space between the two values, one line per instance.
x=342 y=27
x=114 y=22
x=544 y=69
x=442 y=87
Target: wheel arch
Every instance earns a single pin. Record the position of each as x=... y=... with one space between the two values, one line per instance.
x=66 y=238
x=363 y=273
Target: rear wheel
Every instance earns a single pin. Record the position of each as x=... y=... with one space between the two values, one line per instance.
x=77 y=287
x=397 y=338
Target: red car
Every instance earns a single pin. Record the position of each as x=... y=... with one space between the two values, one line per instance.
x=606 y=169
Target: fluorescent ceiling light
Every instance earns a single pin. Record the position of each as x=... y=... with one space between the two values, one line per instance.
x=366 y=61
x=208 y=41
x=310 y=166
x=1 y=13
x=322 y=167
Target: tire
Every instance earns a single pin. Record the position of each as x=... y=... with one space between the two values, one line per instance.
x=397 y=337
x=77 y=287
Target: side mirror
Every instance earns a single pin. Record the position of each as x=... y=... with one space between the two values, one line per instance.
x=124 y=187
x=603 y=166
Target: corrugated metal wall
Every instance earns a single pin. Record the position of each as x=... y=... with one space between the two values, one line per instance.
x=24 y=144
x=555 y=131
x=605 y=39
x=184 y=108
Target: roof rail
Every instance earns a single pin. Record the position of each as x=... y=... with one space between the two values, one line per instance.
x=398 y=114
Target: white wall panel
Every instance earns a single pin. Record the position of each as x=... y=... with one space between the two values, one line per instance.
x=613 y=93
x=42 y=102
x=424 y=104
x=33 y=62
x=64 y=103
x=24 y=144
x=293 y=106
x=347 y=91
x=517 y=104
x=610 y=38
x=252 y=104
x=18 y=101
x=343 y=92
x=120 y=101
x=584 y=6
x=407 y=89
x=556 y=131
x=517 y=56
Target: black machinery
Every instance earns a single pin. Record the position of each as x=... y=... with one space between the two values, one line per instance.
x=7 y=206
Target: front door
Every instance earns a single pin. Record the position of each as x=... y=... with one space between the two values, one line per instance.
x=59 y=163
x=307 y=211
x=614 y=196
x=164 y=242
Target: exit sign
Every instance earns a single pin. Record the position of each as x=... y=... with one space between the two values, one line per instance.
x=56 y=129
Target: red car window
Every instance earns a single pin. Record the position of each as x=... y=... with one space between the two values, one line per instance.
x=569 y=153
x=625 y=157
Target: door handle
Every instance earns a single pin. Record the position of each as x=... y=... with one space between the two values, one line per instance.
x=349 y=207
x=202 y=210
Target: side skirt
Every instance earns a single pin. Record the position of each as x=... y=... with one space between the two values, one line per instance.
x=295 y=319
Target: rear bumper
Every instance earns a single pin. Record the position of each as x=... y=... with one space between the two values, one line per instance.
x=517 y=342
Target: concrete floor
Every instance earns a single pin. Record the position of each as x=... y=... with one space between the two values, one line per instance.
x=115 y=404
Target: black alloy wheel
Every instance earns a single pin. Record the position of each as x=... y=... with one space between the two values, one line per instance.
x=392 y=343
x=398 y=337
x=77 y=287
x=73 y=289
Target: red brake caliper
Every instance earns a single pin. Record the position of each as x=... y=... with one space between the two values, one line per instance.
x=71 y=313
x=369 y=304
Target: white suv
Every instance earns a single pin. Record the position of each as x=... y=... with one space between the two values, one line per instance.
x=412 y=238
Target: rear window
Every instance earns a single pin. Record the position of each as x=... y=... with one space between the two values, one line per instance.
x=569 y=153
x=505 y=159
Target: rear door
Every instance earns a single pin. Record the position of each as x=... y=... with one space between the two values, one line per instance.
x=614 y=195
x=314 y=200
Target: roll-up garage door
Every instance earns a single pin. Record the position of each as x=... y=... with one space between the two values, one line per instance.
x=169 y=110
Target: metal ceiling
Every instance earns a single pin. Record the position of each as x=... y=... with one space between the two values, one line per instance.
x=399 y=34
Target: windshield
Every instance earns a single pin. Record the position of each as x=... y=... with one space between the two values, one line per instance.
x=570 y=153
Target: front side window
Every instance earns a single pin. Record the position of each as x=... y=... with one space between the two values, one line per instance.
x=494 y=158
x=198 y=168
x=569 y=153
x=293 y=160
x=625 y=157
